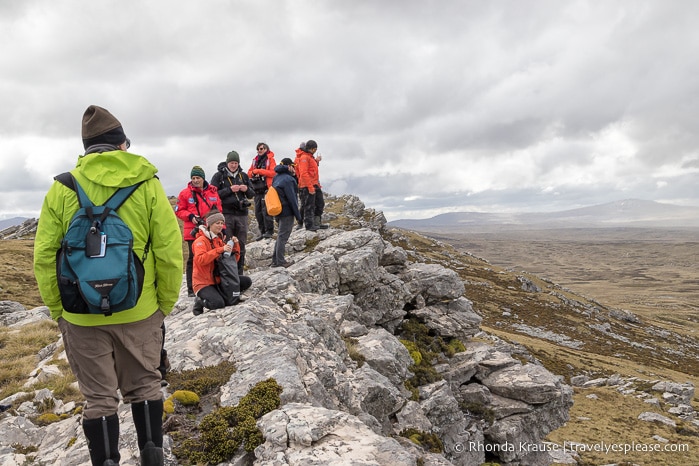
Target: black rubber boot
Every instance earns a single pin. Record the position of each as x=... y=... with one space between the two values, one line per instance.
x=148 y=419
x=317 y=224
x=198 y=308
x=103 y=440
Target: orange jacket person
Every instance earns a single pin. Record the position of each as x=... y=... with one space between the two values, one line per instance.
x=310 y=194
x=215 y=273
x=261 y=173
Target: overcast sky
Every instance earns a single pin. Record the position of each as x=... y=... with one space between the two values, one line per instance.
x=418 y=107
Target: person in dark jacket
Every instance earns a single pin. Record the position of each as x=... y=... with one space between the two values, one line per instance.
x=235 y=193
x=287 y=188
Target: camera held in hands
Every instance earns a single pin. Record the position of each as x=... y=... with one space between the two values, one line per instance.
x=258 y=184
x=197 y=221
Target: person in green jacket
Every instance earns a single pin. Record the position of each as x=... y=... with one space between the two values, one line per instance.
x=120 y=351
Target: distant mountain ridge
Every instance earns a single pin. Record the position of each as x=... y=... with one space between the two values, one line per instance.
x=624 y=213
x=10 y=222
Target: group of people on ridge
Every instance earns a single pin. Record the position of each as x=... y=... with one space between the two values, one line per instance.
x=100 y=348
x=230 y=194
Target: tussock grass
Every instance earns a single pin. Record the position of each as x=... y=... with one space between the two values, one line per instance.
x=63 y=387
x=17 y=282
x=19 y=350
x=354 y=354
x=593 y=422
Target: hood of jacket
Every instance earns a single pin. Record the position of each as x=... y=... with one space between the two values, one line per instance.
x=282 y=169
x=115 y=168
x=223 y=169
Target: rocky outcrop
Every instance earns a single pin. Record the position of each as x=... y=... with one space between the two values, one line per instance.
x=676 y=397
x=295 y=326
x=26 y=229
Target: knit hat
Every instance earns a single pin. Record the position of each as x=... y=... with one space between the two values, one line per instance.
x=101 y=127
x=302 y=146
x=197 y=171
x=214 y=216
x=287 y=161
x=233 y=157
x=311 y=144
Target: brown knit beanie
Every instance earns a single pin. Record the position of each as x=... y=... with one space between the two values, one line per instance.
x=101 y=127
x=214 y=216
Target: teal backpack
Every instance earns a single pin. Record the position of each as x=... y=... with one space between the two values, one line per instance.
x=97 y=269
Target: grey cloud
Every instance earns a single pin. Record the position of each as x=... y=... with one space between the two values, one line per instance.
x=383 y=86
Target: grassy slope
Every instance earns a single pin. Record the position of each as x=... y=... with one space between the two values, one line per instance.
x=17 y=282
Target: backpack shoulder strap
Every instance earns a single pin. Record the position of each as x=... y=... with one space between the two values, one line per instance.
x=114 y=202
x=67 y=179
x=120 y=196
x=82 y=197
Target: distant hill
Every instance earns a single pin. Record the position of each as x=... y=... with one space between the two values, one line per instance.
x=625 y=213
x=10 y=222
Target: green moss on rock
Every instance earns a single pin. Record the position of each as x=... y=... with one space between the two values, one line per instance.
x=168 y=406
x=414 y=351
x=203 y=380
x=427 y=441
x=185 y=397
x=46 y=419
x=227 y=429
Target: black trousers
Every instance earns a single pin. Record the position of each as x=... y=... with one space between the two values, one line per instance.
x=189 y=266
x=237 y=225
x=312 y=205
x=221 y=295
x=265 y=222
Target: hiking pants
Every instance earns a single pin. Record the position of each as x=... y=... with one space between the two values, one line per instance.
x=237 y=225
x=189 y=267
x=222 y=294
x=286 y=224
x=265 y=222
x=308 y=207
x=106 y=357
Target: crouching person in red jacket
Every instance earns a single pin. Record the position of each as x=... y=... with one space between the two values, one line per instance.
x=215 y=272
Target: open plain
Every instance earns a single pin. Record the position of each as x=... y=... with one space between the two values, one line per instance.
x=653 y=273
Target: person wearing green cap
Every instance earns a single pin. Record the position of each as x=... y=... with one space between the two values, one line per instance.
x=234 y=189
x=193 y=203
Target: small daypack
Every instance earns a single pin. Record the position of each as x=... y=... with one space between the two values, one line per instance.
x=272 y=201
x=97 y=269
